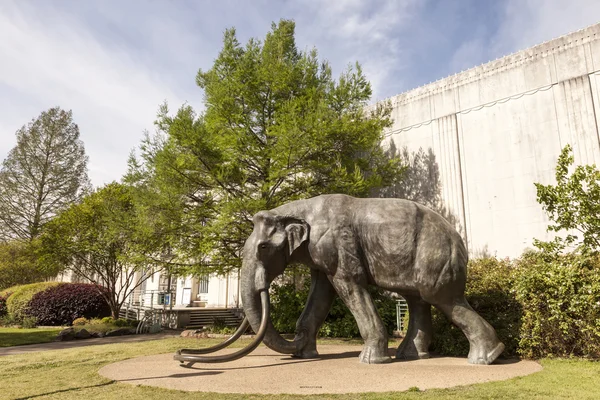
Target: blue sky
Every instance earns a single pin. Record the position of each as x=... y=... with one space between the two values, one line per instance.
x=114 y=62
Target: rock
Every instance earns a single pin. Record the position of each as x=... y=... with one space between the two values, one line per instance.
x=65 y=334
x=194 y=333
x=83 y=334
x=118 y=332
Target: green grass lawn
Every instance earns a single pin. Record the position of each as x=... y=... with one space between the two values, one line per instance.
x=18 y=337
x=73 y=374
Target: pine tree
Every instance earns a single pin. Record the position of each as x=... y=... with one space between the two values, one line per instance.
x=276 y=127
x=43 y=174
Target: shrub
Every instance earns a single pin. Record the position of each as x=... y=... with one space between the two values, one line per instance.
x=121 y=322
x=8 y=291
x=288 y=302
x=62 y=304
x=560 y=296
x=541 y=305
x=3 y=310
x=107 y=320
x=29 y=322
x=490 y=292
x=80 y=321
x=17 y=303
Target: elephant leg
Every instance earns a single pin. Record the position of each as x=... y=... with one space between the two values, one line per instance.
x=317 y=307
x=418 y=336
x=361 y=305
x=485 y=346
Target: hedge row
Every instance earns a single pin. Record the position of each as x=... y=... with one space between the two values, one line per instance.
x=21 y=296
x=540 y=306
x=53 y=303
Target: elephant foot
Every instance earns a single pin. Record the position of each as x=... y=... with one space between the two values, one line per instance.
x=484 y=357
x=306 y=354
x=412 y=350
x=370 y=355
x=417 y=355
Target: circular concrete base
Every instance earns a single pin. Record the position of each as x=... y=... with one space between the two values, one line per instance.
x=336 y=371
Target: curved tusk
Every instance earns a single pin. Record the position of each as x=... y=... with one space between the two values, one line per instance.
x=191 y=359
x=239 y=332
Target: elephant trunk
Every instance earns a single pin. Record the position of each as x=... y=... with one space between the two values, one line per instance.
x=253 y=281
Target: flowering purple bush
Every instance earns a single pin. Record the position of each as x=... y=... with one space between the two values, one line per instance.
x=62 y=304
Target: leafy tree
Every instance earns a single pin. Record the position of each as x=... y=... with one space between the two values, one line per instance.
x=19 y=265
x=104 y=240
x=572 y=204
x=276 y=127
x=43 y=174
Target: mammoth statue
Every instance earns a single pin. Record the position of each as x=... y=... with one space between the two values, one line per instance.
x=350 y=243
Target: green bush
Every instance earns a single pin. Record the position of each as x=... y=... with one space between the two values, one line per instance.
x=17 y=303
x=541 y=305
x=8 y=291
x=121 y=322
x=288 y=301
x=560 y=297
x=80 y=321
x=29 y=323
x=3 y=310
x=490 y=291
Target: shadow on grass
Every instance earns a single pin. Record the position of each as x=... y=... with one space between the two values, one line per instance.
x=65 y=390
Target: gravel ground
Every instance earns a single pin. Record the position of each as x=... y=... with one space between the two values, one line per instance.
x=336 y=371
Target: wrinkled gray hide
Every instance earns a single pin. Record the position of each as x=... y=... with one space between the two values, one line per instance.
x=349 y=243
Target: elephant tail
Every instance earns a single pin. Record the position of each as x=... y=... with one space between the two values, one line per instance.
x=460 y=255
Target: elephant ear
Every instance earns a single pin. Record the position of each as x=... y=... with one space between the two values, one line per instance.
x=297 y=232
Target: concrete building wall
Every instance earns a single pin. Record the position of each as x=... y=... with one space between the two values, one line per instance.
x=498 y=128
x=223 y=291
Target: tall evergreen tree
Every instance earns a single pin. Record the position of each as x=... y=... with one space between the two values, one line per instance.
x=276 y=127
x=43 y=174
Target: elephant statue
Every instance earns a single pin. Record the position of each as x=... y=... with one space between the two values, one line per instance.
x=350 y=243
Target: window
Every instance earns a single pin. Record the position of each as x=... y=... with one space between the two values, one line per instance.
x=203 y=284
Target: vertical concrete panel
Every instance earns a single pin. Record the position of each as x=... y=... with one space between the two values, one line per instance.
x=444 y=103
x=594 y=80
x=570 y=63
x=539 y=72
x=577 y=120
x=506 y=148
x=447 y=155
x=594 y=52
x=415 y=138
x=411 y=111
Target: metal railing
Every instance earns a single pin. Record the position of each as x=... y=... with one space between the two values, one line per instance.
x=154 y=309
x=401 y=311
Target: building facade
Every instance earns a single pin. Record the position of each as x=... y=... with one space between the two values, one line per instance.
x=498 y=128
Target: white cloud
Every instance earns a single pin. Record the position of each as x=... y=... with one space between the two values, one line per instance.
x=368 y=32
x=527 y=23
x=54 y=60
x=114 y=62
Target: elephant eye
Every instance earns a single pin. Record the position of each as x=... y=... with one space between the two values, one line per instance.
x=263 y=246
